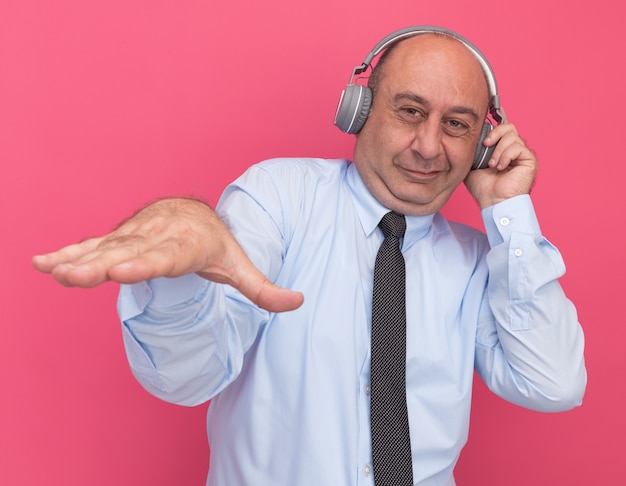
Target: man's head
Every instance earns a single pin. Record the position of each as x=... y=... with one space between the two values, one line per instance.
x=430 y=99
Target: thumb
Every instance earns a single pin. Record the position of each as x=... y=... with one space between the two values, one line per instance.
x=245 y=277
x=272 y=297
x=256 y=287
x=229 y=264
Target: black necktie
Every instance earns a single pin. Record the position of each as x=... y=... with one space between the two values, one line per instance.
x=391 y=443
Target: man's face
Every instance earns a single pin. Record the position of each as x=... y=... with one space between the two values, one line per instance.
x=419 y=141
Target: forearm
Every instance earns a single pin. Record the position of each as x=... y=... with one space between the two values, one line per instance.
x=531 y=352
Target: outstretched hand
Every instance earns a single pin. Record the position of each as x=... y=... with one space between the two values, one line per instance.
x=511 y=171
x=169 y=238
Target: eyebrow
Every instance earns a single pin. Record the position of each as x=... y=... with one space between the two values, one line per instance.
x=462 y=110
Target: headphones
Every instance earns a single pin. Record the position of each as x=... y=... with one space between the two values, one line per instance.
x=356 y=100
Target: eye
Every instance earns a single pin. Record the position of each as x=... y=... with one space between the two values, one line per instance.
x=410 y=113
x=455 y=127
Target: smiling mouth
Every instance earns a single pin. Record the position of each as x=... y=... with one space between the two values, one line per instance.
x=419 y=175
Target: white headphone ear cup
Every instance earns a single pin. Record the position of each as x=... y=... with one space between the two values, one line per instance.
x=353 y=109
x=483 y=154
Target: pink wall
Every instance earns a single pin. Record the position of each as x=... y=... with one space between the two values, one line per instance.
x=105 y=105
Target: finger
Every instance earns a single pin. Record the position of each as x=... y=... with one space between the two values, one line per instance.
x=499 y=132
x=45 y=263
x=85 y=276
x=511 y=143
x=158 y=262
x=506 y=141
x=508 y=156
x=125 y=264
x=518 y=155
x=92 y=268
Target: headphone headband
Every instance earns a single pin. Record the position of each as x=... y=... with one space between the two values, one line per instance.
x=494 y=98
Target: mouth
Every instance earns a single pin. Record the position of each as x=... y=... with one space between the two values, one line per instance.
x=419 y=175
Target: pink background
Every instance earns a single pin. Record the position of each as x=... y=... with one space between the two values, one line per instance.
x=106 y=105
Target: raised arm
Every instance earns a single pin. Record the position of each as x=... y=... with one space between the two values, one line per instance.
x=529 y=342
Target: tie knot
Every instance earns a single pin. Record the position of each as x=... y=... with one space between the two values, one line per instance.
x=393 y=224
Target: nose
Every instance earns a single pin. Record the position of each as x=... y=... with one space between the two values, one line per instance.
x=427 y=139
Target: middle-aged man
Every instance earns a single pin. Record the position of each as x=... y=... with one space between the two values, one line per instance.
x=288 y=372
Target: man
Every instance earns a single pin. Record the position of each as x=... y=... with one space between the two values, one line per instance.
x=288 y=373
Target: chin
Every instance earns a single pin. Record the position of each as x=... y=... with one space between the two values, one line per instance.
x=422 y=206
